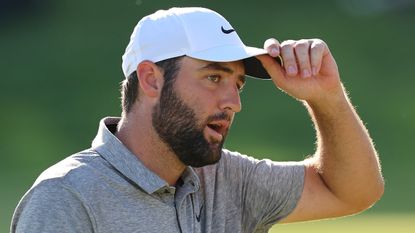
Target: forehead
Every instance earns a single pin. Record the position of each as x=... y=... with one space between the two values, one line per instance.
x=191 y=64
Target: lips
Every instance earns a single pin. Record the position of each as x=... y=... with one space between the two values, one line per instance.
x=216 y=130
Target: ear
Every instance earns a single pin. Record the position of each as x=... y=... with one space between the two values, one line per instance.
x=150 y=78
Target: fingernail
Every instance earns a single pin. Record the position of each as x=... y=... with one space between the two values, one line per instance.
x=306 y=73
x=275 y=51
x=291 y=70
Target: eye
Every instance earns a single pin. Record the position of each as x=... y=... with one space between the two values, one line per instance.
x=214 y=78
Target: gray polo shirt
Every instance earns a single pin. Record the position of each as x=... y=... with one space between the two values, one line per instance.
x=107 y=189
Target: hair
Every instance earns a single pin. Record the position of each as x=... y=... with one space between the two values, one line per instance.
x=129 y=86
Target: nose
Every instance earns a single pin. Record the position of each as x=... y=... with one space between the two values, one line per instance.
x=231 y=100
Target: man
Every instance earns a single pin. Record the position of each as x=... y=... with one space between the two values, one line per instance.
x=161 y=166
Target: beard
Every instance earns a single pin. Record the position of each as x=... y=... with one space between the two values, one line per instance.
x=178 y=127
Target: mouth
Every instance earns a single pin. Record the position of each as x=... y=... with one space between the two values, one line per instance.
x=216 y=130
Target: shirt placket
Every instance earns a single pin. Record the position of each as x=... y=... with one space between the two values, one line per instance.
x=187 y=208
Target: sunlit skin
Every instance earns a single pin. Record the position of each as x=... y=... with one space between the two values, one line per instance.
x=196 y=140
x=343 y=175
x=211 y=88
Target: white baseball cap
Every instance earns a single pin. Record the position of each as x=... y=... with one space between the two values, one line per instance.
x=192 y=31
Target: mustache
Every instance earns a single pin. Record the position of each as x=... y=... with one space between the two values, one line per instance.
x=219 y=116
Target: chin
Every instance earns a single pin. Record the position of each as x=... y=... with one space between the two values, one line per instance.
x=216 y=153
x=211 y=158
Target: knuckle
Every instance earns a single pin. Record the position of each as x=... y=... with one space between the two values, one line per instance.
x=319 y=44
x=322 y=42
x=287 y=44
x=302 y=43
x=301 y=47
x=287 y=52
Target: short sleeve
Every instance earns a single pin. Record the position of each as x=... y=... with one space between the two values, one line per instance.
x=269 y=190
x=50 y=206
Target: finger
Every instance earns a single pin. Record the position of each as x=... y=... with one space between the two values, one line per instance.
x=273 y=68
x=302 y=53
x=316 y=55
x=288 y=57
x=272 y=46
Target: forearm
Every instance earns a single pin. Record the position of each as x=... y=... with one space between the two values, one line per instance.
x=343 y=177
x=345 y=158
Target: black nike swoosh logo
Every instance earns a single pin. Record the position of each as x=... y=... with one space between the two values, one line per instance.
x=227 y=31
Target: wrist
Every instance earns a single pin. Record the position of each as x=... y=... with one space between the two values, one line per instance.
x=334 y=102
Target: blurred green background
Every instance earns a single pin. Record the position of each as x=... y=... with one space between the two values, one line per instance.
x=60 y=68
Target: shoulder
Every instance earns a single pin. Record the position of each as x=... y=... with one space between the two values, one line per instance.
x=239 y=160
x=54 y=198
x=58 y=194
x=236 y=166
x=80 y=174
x=233 y=158
x=68 y=170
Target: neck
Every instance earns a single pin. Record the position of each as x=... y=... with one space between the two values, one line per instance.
x=136 y=132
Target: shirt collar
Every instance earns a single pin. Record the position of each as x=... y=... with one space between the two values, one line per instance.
x=112 y=150
x=189 y=176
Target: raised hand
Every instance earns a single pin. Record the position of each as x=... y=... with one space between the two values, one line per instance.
x=309 y=71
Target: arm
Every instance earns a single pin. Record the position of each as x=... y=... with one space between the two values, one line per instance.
x=343 y=176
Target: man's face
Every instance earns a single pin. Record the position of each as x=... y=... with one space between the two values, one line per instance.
x=194 y=112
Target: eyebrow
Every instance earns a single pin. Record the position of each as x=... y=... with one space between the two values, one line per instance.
x=218 y=66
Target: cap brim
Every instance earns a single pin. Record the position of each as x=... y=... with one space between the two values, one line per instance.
x=253 y=67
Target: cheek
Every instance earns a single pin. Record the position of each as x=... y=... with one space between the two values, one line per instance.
x=199 y=98
x=203 y=103
x=200 y=108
